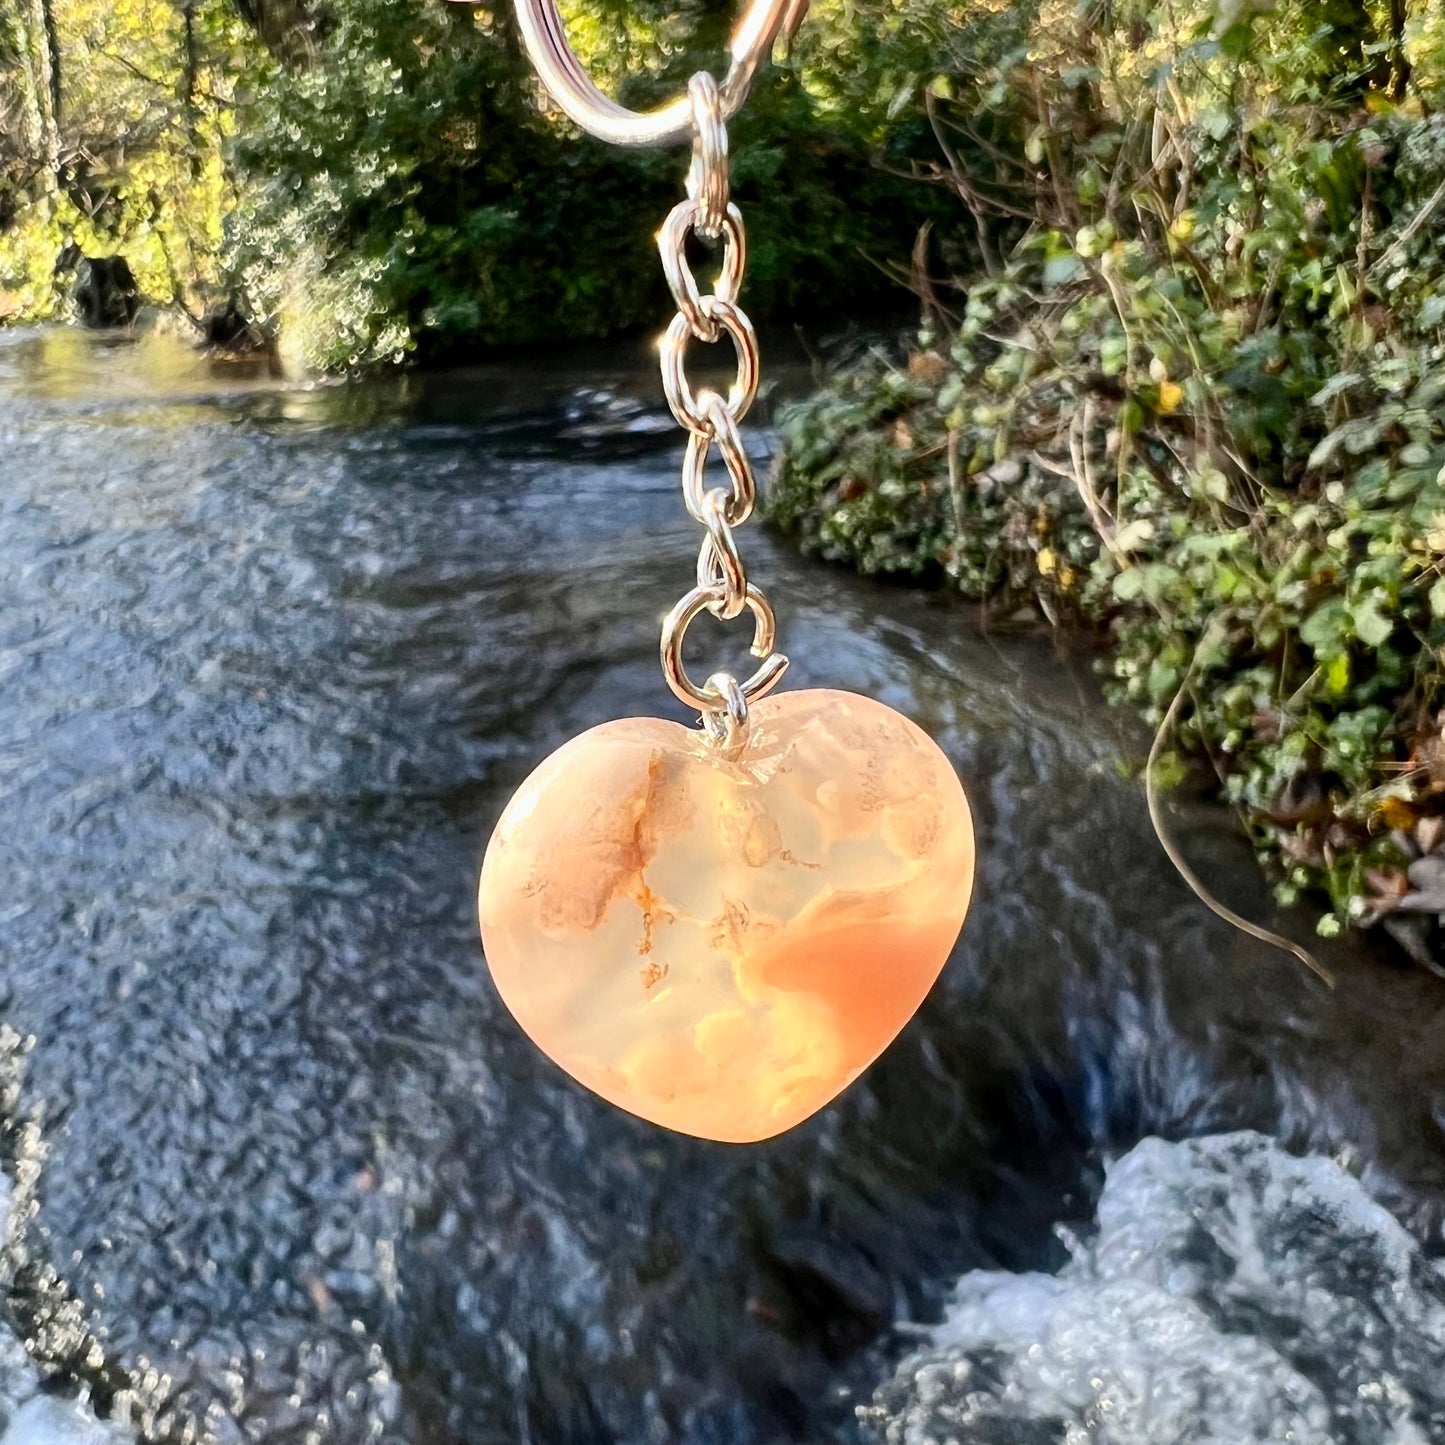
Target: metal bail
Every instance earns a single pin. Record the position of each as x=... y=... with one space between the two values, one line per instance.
x=762 y=25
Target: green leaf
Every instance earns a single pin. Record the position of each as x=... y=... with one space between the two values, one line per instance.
x=1113 y=353
x=1326 y=449
x=1163 y=679
x=1227 y=581
x=1437 y=598
x=1060 y=270
x=1325 y=630
x=1336 y=386
x=1372 y=627
x=1215 y=123
x=1211 y=484
x=1129 y=585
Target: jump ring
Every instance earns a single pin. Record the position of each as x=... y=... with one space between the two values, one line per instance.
x=674 y=631
x=728 y=439
x=672 y=244
x=707 y=178
x=727 y=725
x=733 y=320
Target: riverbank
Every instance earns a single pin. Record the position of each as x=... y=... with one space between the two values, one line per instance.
x=1190 y=395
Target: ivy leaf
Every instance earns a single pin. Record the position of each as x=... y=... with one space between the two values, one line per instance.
x=1325 y=630
x=1437 y=598
x=1061 y=269
x=1133 y=536
x=1327 y=448
x=1113 y=354
x=1372 y=627
x=1215 y=123
x=1129 y=585
x=1336 y=386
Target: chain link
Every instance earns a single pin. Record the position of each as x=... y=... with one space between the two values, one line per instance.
x=708 y=698
x=722 y=432
x=686 y=406
x=719 y=563
x=711 y=421
x=682 y=221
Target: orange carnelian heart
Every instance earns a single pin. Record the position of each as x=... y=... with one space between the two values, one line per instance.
x=721 y=947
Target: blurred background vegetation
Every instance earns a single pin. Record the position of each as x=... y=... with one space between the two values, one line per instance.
x=377 y=179
x=1180 y=382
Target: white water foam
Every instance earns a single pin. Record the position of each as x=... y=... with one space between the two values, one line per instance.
x=1233 y=1294
x=28 y=1414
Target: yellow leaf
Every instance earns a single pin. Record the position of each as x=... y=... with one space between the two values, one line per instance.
x=1395 y=813
x=1171 y=397
x=1048 y=561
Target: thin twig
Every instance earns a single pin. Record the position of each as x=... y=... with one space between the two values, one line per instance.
x=965 y=190
x=1410 y=231
x=1083 y=475
x=1181 y=864
x=955 y=480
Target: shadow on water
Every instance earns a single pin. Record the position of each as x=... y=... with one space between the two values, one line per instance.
x=274 y=656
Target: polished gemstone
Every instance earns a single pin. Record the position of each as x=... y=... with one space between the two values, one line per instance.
x=721 y=947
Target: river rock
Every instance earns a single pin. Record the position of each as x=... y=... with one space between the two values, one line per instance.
x=48 y=1420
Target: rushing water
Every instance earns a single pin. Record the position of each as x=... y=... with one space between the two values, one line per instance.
x=273 y=658
x=1231 y=1295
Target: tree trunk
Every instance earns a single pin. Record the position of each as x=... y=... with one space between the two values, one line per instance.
x=1401 y=71
x=42 y=75
x=285 y=27
x=190 y=74
x=52 y=45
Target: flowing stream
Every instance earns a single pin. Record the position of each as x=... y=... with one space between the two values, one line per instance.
x=273 y=657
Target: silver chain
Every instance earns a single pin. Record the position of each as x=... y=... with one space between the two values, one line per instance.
x=711 y=421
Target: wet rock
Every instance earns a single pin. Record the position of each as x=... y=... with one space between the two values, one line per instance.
x=1231 y=1292
x=226 y=328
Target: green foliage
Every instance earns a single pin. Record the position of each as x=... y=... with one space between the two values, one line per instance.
x=1197 y=398
x=377 y=179
x=131 y=158
x=405 y=193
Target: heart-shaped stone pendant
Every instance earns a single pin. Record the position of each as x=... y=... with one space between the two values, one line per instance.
x=721 y=947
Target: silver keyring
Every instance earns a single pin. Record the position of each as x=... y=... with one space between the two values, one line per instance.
x=762 y=25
